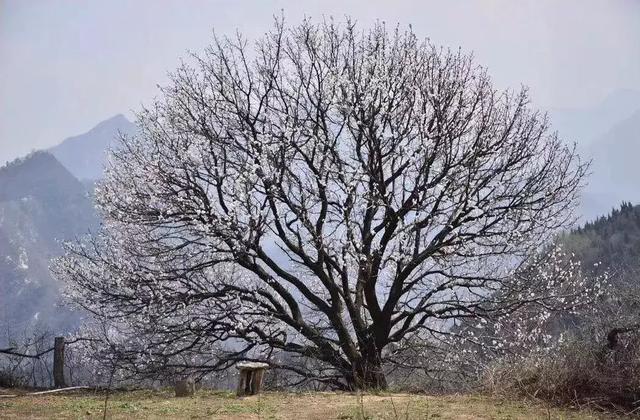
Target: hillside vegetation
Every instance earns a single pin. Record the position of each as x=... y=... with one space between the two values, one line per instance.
x=611 y=242
x=596 y=358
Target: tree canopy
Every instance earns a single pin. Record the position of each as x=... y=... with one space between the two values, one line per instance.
x=327 y=195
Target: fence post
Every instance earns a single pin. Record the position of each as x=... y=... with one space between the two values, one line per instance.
x=58 y=363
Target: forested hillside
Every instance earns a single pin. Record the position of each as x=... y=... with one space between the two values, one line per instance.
x=611 y=242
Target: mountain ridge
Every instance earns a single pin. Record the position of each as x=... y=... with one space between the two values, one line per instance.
x=84 y=155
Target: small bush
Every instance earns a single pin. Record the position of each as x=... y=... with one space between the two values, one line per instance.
x=577 y=371
x=9 y=379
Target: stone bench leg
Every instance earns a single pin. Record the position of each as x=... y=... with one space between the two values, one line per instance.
x=256 y=381
x=243 y=380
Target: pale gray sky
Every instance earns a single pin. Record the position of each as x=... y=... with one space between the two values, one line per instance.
x=66 y=65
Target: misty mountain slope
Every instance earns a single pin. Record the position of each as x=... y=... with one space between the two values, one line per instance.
x=606 y=134
x=616 y=156
x=41 y=204
x=84 y=155
x=584 y=125
x=615 y=170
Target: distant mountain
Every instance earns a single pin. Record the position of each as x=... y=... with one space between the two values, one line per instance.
x=615 y=172
x=584 y=125
x=608 y=134
x=44 y=199
x=41 y=204
x=616 y=162
x=84 y=155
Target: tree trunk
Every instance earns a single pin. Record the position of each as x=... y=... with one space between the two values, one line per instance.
x=58 y=363
x=368 y=374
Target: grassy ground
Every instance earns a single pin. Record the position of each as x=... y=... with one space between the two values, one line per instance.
x=224 y=405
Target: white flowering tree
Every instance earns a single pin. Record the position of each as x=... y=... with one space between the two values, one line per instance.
x=329 y=194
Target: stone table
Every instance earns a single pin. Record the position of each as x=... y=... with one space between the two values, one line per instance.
x=250 y=379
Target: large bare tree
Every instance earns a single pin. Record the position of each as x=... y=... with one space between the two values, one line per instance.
x=331 y=194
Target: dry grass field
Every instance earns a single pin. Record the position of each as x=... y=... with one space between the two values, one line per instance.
x=271 y=405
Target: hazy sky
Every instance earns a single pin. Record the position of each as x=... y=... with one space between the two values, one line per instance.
x=67 y=65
